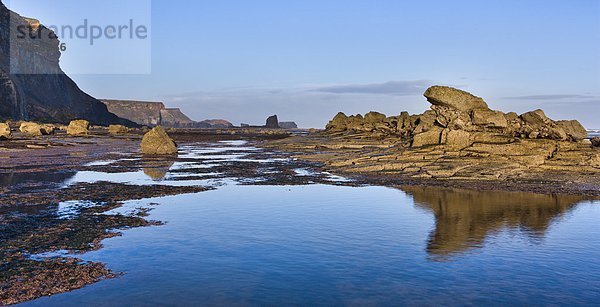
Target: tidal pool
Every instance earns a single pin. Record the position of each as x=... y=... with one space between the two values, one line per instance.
x=328 y=244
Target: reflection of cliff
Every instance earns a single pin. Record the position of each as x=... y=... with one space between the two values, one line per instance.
x=465 y=218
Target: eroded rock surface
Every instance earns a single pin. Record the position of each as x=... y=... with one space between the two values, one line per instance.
x=31 y=129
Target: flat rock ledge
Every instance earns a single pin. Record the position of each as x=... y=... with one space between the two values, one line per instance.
x=459 y=139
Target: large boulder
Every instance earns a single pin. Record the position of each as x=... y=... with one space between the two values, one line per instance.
x=31 y=129
x=596 y=141
x=117 y=129
x=5 y=132
x=272 y=122
x=78 y=127
x=489 y=118
x=454 y=98
x=158 y=142
x=431 y=137
x=575 y=131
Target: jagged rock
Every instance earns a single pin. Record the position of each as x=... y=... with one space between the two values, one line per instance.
x=425 y=121
x=374 y=117
x=452 y=118
x=78 y=127
x=48 y=129
x=454 y=98
x=596 y=141
x=158 y=142
x=536 y=118
x=431 y=137
x=355 y=123
x=490 y=119
x=31 y=129
x=117 y=129
x=5 y=132
x=538 y=126
x=338 y=123
x=575 y=131
x=272 y=122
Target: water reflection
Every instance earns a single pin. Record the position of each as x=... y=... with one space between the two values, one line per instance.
x=464 y=219
x=157 y=170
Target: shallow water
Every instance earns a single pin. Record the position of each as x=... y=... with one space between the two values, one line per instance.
x=324 y=244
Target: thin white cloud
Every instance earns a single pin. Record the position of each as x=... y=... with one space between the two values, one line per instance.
x=395 y=88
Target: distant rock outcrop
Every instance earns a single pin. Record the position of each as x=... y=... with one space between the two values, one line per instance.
x=272 y=122
x=216 y=123
x=460 y=119
x=41 y=91
x=288 y=125
x=148 y=113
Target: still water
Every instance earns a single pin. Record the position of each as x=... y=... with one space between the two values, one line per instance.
x=331 y=244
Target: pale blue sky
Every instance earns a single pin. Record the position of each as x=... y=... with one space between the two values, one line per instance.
x=306 y=60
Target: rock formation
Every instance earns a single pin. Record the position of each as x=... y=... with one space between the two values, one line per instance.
x=175 y=118
x=272 y=122
x=31 y=129
x=460 y=119
x=288 y=125
x=153 y=114
x=117 y=129
x=596 y=141
x=158 y=142
x=5 y=132
x=216 y=123
x=32 y=84
x=78 y=127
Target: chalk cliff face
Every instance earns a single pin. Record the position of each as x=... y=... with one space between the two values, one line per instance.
x=44 y=92
x=155 y=113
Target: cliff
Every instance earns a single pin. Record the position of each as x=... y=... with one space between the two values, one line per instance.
x=41 y=91
x=155 y=113
x=145 y=113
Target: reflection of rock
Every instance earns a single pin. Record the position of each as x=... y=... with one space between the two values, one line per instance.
x=465 y=218
x=157 y=170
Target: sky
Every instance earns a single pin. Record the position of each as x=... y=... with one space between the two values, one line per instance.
x=306 y=60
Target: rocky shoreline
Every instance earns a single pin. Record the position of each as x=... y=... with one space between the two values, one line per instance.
x=459 y=143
